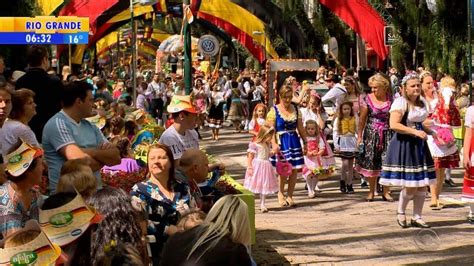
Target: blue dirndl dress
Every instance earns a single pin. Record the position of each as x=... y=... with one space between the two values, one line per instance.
x=408 y=162
x=289 y=141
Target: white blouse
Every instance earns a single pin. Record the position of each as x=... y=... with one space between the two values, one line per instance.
x=416 y=114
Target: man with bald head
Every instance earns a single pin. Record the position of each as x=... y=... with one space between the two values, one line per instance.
x=194 y=169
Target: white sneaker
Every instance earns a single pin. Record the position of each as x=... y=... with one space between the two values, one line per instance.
x=311 y=195
x=317 y=189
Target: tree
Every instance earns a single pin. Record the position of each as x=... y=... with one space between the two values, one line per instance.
x=15 y=55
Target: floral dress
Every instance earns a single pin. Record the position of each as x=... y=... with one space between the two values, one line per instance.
x=13 y=214
x=160 y=210
x=375 y=139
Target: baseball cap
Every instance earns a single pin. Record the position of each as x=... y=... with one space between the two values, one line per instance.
x=181 y=103
x=18 y=161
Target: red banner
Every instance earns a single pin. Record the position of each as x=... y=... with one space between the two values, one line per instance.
x=363 y=19
x=86 y=8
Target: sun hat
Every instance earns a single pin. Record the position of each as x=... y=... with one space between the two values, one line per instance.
x=181 y=103
x=65 y=224
x=98 y=121
x=18 y=161
x=39 y=251
x=17 y=74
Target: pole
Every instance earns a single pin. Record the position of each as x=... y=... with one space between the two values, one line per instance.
x=469 y=41
x=134 y=58
x=70 y=55
x=118 y=49
x=420 y=2
x=187 y=54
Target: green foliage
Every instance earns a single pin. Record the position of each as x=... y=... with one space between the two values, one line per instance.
x=442 y=36
x=15 y=55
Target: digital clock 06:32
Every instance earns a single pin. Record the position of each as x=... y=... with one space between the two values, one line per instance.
x=38 y=38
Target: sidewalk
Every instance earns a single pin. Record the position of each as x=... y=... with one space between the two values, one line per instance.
x=341 y=229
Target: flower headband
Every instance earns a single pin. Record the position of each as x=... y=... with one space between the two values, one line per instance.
x=409 y=77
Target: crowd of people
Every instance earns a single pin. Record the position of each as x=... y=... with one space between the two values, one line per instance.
x=69 y=143
x=66 y=147
x=405 y=134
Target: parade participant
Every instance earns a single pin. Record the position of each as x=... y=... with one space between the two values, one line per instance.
x=200 y=94
x=260 y=177
x=286 y=119
x=374 y=134
x=408 y=162
x=315 y=164
x=223 y=238
x=216 y=111
x=5 y=109
x=353 y=95
x=345 y=143
x=428 y=90
x=19 y=201
x=181 y=135
x=315 y=111
x=443 y=149
x=119 y=222
x=236 y=113
x=245 y=88
x=163 y=197
x=258 y=119
x=68 y=135
x=468 y=163
x=23 y=110
x=48 y=90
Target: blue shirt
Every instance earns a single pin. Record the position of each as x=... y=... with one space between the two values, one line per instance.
x=61 y=130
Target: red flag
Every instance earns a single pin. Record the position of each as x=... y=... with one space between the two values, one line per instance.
x=91 y=9
x=363 y=19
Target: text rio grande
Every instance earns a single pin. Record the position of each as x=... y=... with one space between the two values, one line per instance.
x=54 y=25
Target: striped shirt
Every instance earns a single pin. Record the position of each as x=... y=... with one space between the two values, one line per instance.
x=60 y=131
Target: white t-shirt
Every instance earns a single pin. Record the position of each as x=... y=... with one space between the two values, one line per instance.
x=179 y=143
x=308 y=114
x=13 y=130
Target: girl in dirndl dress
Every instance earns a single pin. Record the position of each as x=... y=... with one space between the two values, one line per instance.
x=258 y=119
x=316 y=166
x=260 y=176
x=286 y=119
x=345 y=144
x=443 y=149
x=468 y=161
x=408 y=162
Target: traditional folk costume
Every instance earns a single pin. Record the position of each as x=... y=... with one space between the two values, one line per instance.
x=255 y=125
x=288 y=139
x=468 y=185
x=263 y=179
x=445 y=117
x=345 y=139
x=375 y=139
x=408 y=162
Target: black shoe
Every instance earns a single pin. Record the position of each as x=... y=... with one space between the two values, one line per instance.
x=342 y=186
x=450 y=182
x=470 y=219
x=364 y=184
x=350 y=189
x=402 y=223
x=419 y=223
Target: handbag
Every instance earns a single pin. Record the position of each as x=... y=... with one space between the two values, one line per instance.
x=283 y=167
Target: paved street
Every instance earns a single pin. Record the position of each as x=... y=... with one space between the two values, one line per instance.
x=344 y=229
